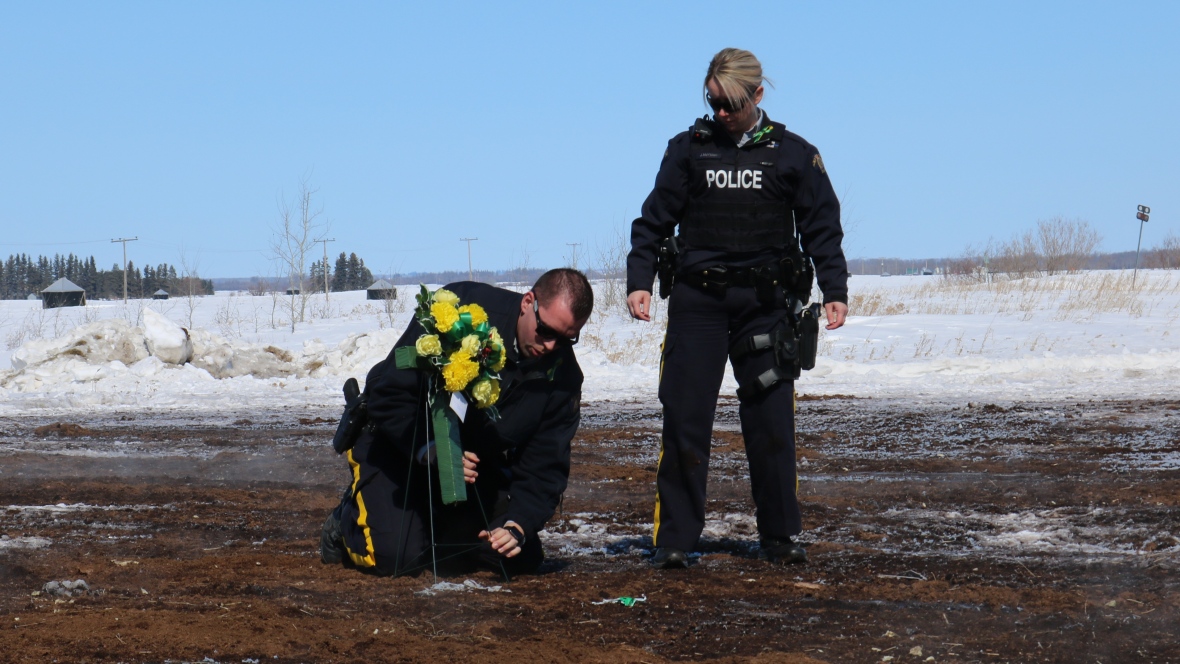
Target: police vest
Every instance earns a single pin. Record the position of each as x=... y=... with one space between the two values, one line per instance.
x=736 y=200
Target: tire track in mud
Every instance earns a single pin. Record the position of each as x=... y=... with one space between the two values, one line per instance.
x=967 y=532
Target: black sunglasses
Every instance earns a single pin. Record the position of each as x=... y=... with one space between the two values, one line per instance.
x=545 y=332
x=723 y=104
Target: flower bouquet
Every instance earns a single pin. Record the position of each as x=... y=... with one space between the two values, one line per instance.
x=461 y=356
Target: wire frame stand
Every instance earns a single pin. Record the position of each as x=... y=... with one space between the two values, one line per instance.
x=435 y=546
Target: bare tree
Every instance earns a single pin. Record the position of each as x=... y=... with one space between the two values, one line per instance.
x=294 y=237
x=1065 y=245
x=1018 y=257
x=260 y=287
x=519 y=267
x=190 y=284
x=611 y=262
x=972 y=267
x=1165 y=255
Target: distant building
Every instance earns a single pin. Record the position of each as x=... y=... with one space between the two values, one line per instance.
x=293 y=291
x=382 y=290
x=33 y=296
x=63 y=293
x=160 y=295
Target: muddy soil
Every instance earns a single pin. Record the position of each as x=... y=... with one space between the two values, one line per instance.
x=1039 y=532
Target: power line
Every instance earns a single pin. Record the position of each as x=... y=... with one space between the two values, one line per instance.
x=47 y=244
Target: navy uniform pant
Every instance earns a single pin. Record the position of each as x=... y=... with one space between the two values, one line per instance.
x=393 y=520
x=701 y=328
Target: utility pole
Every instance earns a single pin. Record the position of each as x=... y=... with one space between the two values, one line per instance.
x=469 y=240
x=575 y=253
x=326 y=241
x=1142 y=216
x=125 y=240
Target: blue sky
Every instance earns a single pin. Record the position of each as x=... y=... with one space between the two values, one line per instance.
x=534 y=125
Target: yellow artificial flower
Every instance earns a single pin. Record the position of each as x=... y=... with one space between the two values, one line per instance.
x=471 y=345
x=445 y=315
x=427 y=345
x=460 y=371
x=446 y=297
x=494 y=335
x=499 y=347
x=486 y=392
x=478 y=315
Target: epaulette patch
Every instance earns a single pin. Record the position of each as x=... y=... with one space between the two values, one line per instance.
x=818 y=162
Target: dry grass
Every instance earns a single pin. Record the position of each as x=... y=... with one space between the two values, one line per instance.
x=990 y=307
x=1063 y=297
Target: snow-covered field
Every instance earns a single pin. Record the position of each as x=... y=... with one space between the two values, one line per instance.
x=924 y=337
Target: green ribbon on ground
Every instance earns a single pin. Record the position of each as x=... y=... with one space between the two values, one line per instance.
x=448 y=450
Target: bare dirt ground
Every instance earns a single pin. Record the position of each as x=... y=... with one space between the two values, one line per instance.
x=946 y=533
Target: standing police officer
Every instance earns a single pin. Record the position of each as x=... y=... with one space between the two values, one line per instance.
x=745 y=194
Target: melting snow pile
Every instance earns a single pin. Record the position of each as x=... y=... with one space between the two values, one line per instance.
x=124 y=360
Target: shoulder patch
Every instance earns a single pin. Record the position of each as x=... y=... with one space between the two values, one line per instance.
x=818 y=162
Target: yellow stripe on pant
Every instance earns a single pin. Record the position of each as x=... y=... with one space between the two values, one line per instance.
x=655 y=531
x=362 y=520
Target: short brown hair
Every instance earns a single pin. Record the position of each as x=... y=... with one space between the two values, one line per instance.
x=738 y=73
x=569 y=284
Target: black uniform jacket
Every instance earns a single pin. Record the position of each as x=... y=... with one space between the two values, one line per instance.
x=528 y=449
x=801 y=179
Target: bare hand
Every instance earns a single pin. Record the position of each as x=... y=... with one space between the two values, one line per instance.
x=502 y=541
x=639 y=302
x=469 y=463
x=836 y=313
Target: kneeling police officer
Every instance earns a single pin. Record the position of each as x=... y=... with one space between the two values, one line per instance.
x=757 y=218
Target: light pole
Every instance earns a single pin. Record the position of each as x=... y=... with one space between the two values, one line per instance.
x=575 y=253
x=1142 y=215
x=469 y=240
x=326 y=241
x=125 y=240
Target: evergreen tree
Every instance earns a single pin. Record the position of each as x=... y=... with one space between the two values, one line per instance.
x=316 y=276
x=365 y=278
x=354 y=271
x=134 y=281
x=340 y=278
x=90 y=277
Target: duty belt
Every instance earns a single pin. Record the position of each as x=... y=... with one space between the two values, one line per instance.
x=718 y=278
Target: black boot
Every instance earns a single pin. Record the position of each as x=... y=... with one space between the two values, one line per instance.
x=667 y=557
x=332 y=550
x=782 y=550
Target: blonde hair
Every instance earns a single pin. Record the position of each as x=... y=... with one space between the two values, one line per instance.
x=738 y=73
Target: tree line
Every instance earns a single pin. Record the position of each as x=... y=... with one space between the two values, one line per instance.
x=349 y=274
x=22 y=275
x=1056 y=246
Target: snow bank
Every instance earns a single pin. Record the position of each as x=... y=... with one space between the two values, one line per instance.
x=166 y=340
x=121 y=363
x=907 y=337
